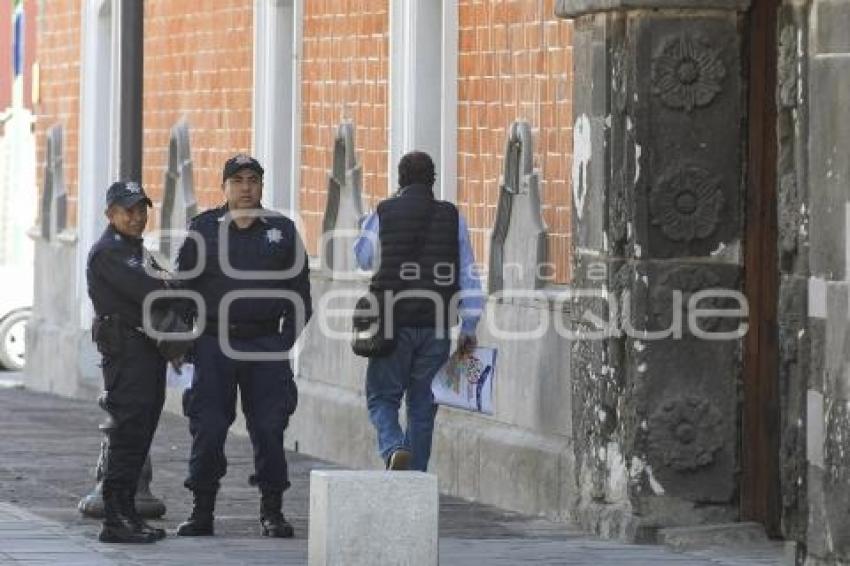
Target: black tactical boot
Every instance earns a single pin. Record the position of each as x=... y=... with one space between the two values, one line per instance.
x=115 y=528
x=200 y=522
x=272 y=523
x=132 y=517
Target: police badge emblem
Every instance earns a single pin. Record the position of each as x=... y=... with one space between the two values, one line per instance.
x=273 y=235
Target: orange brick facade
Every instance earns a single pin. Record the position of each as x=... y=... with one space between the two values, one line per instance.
x=514 y=63
x=198 y=66
x=344 y=74
x=58 y=31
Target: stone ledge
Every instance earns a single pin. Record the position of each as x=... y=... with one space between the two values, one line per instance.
x=576 y=8
x=707 y=536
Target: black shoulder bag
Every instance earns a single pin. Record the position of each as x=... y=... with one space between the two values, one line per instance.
x=369 y=337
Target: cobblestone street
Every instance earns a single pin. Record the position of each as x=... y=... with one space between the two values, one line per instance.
x=48 y=449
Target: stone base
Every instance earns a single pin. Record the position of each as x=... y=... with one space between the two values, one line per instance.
x=612 y=521
x=706 y=536
x=365 y=518
x=148 y=506
x=665 y=514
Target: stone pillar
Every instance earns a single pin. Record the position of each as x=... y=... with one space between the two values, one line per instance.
x=519 y=233
x=658 y=194
x=54 y=215
x=344 y=208
x=365 y=518
x=814 y=254
x=178 y=200
x=794 y=333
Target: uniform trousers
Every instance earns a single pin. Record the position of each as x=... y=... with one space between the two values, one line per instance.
x=268 y=396
x=134 y=380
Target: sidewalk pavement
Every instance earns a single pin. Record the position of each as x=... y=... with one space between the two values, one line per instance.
x=49 y=446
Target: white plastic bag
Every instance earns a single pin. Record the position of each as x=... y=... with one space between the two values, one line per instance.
x=467 y=383
x=181 y=380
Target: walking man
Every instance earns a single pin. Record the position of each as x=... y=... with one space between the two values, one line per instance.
x=425 y=254
x=133 y=368
x=255 y=254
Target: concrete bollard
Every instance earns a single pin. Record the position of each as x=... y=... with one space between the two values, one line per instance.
x=373 y=518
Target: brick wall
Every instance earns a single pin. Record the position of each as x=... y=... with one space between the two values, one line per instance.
x=30 y=47
x=5 y=55
x=515 y=61
x=198 y=65
x=344 y=70
x=58 y=31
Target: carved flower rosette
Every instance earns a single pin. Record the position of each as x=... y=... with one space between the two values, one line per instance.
x=688 y=280
x=686 y=204
x=686 y=433
x=687 y=73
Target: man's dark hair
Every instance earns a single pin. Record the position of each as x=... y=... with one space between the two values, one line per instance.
x=416 y=168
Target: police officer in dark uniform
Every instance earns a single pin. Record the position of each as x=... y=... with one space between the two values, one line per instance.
x=249 y=238
x=133 y=368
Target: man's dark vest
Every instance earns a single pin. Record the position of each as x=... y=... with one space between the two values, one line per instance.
x=403 y=220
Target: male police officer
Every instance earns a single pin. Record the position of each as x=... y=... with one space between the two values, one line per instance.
x=240 y=237
x=133 y=368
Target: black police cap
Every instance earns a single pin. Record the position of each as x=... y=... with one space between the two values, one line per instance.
x=126 y=194
x=239 y=162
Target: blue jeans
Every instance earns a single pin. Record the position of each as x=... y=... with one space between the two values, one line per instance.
x=409 y=369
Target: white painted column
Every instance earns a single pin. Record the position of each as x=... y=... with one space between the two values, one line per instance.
x=98 y=128
x=423 y=86
x=277 y=98
x=447 y=171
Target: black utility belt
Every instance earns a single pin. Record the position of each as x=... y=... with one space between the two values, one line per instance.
x=118 y=322
x=245 y=329
x=110 y=332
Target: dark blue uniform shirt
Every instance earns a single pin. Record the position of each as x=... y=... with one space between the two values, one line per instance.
x=270 y=243
x=117 y=279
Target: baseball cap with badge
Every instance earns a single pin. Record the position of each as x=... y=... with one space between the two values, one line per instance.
x=239 y=162
x=126 y=194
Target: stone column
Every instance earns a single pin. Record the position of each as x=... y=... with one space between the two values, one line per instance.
x=814 y=254
x=519 y=233
x=658 y=191
x=179 y=204
x=344 y=208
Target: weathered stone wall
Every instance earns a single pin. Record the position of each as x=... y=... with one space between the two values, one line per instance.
x=658 y=197
x=814 y=215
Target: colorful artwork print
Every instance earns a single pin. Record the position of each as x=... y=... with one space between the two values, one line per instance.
x=467 y=382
